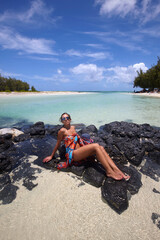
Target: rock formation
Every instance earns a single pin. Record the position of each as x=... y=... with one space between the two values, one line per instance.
x=134 y=148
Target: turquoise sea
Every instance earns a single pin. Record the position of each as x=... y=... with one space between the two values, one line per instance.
x=96 y=108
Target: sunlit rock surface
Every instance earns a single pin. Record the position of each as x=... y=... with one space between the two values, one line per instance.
x=134 y=148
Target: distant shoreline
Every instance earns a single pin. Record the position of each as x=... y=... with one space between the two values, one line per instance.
x=151 y=94
x=41 y=93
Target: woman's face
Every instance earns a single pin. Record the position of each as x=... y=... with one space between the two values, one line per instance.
x=66 y=119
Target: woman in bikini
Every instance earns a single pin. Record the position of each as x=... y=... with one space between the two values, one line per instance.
x=76 y=150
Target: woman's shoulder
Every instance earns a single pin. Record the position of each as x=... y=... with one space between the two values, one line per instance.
x=61 y=131
x=73 y=127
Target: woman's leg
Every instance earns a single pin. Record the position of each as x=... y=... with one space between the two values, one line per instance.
x=113 y=165
x=91 y=149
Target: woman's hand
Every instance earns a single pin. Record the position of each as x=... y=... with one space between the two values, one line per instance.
x=47 y=159
x=59 y=139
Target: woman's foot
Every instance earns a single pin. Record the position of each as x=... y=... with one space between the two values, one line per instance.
x=115 y=176
x=126 y=177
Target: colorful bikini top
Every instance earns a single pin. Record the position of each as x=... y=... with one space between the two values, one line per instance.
x=70 y=142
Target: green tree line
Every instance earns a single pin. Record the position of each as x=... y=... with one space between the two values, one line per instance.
x=150 y=79
x=12 y=84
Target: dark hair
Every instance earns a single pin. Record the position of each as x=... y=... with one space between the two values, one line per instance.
x=62 y=115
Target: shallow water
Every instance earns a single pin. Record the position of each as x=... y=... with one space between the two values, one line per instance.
x=93 y=108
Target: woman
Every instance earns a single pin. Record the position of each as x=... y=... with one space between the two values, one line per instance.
x=76 y=150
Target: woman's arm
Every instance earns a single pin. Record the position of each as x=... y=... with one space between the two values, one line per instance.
x=59 y=139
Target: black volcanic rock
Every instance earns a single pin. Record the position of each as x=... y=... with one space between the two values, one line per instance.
x=115 y=193
x=94 y=174
x=8 y=193
x=91 y=130
x=151 y=168
x=21 y=137
x=78 y=169
x=156 y=219
x=5 y=142
x=53 y=130
x=126 y=143
x=37 y=129
x=134 y=183
x=155 y=156
x=4 y=180
x=5 y=163
x=97 y=139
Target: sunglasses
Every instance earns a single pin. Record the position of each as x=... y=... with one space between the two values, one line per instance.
x=65 y=118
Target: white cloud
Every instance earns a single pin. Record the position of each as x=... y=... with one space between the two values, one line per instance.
x=150 y=10
x=94 y=45
x=37 y=12
x=124 y=74
x=72 y=52
x=58 y=78
x=98 y=55
x=139 y=66
x=153 y=31
x=10 y=74
x=145 y=4
x=117 y=74
x=88 y=72
x=145 y=11
x=130 y=40
x=94 y=55
x=59 y=71
x=116 y=7
x=37 y=8
x=49 y=59
x=12 y=40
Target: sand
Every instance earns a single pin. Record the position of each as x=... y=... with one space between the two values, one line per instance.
x=152 y=94
x=63 y=207
x=40 y=93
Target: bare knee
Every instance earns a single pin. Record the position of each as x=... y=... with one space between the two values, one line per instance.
x=96 y=146
x=102 y=148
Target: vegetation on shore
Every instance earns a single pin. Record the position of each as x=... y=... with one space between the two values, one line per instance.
x=11 y=84
x=150 y=79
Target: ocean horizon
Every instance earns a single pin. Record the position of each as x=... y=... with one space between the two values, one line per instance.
x=92 y=107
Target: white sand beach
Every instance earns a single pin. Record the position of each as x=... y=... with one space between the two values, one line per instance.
x=151 y=94
x=40 y=93
x=61 y=207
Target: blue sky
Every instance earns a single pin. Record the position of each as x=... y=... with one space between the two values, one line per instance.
x=78 y=45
